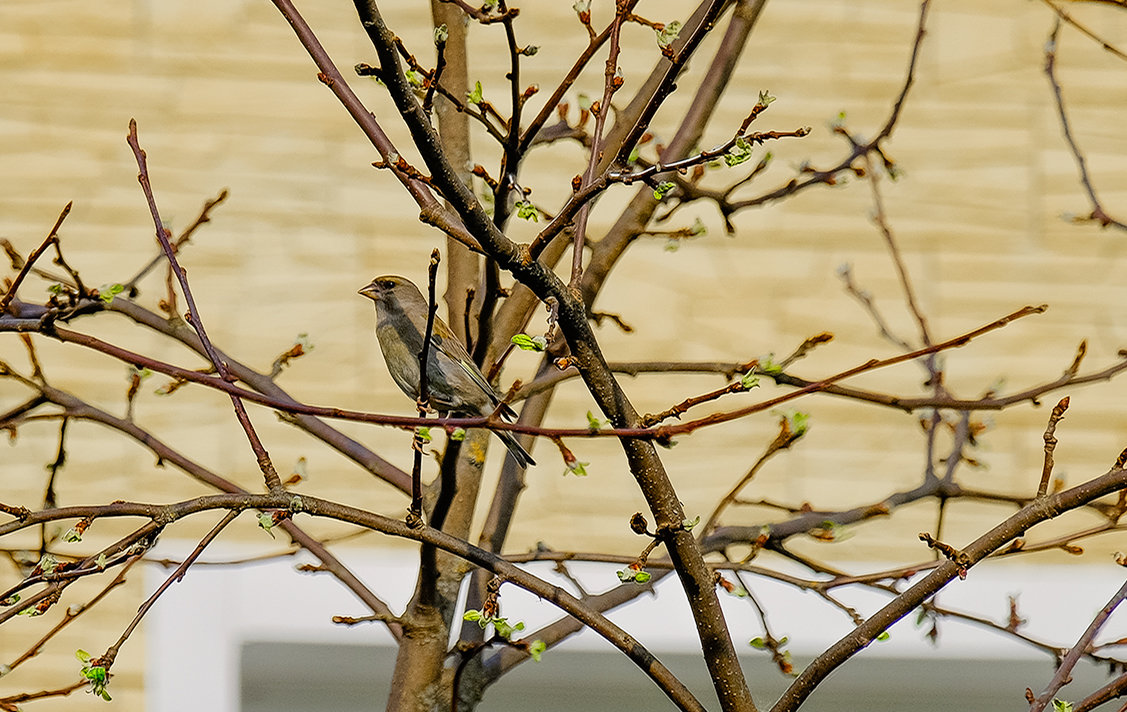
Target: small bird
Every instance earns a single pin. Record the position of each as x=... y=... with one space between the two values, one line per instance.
x=454 y=382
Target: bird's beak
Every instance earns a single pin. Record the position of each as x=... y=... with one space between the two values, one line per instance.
x=369 y=291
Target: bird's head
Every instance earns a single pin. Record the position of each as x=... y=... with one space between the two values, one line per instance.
x=391 y=288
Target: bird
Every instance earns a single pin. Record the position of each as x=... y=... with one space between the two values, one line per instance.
x=454 y=382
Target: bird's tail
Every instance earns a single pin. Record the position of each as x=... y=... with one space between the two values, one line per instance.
x=515 y=448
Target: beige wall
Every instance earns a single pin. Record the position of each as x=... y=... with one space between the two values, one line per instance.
x=225 y=97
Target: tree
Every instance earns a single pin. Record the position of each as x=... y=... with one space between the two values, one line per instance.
x=440 y=105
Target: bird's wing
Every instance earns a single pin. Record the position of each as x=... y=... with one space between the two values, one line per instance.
x=453 y=349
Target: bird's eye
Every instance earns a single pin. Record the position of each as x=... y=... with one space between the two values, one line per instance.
x=385 y=284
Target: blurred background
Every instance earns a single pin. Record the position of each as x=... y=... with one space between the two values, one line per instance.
x=225 y=98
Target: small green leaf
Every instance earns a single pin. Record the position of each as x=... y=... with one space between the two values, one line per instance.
x=577 y=468
x=1061 y=706
x=530 y=51
x=733 y=158
x=688 y=524
x=458 y=434
x=56 y=289
x=768 y=366
x=739 y=153
x=504 y=629
x=758 y=643
x=47 y=563
x=799 y=422
x=634 y=155
x=633 y=574
x=765 y=98
x=536 y=649
x=500 y=625
x=266 y=521
x=441 y=34
x=663 y=188
x=581 y=6
x=666 y=36
x=527 y=211
x=529 y=343
x=414 y=78
x=423 y=433
x=108 y=291
x=749 y=380
x=884 y=636
x=95 y=675
x=593 y=423
x=475 y=96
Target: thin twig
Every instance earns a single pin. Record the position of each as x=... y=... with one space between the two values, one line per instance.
x=72 y=613
x=432 y=212
x=318 y=507
x=828 y=176
x=1064 y=673
x=881 y=220
x=1051 y=445
x=273 y=482
x=416 y=511
x=785 y=438
x=203 y=217
x=661 y=433
x=176 y=577
x=611 y=83
x=1098 y=213
x=52 y=238
x=1084 y=30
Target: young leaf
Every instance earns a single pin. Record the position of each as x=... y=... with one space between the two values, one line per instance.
x=475 y=95
x=668 y=34
x=536 y=649
x=577 y=468
x=527 y=211
x=108 y=291
x=593 y=423
x=663 y=189
x=529 y=343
